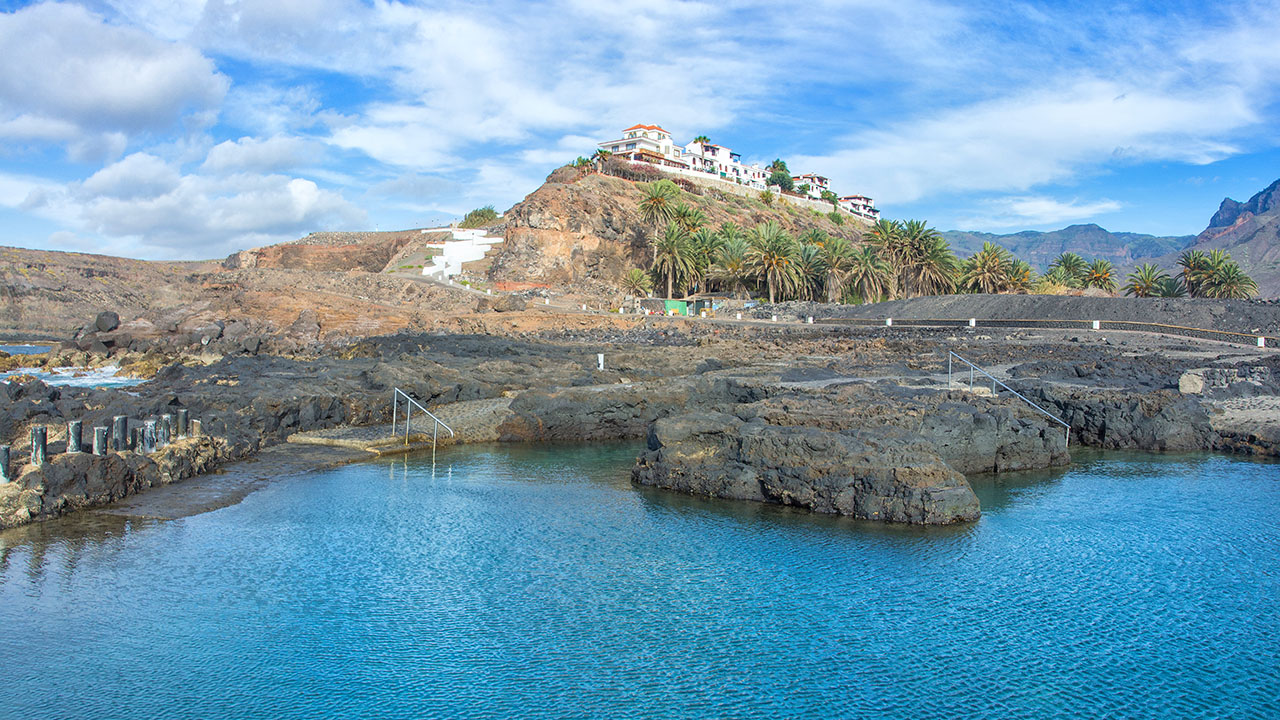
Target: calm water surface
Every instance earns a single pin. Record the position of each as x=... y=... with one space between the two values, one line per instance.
x=25 y=349
x=536 y=582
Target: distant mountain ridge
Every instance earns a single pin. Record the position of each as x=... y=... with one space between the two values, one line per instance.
x=1250 y=231
x=1089 y=240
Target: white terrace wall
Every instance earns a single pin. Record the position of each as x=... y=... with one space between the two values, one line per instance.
x=717 y=183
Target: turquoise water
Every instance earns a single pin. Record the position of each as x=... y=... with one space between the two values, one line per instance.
x=536 y=582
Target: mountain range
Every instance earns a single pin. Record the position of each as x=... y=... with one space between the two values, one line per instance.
x=1249 y=230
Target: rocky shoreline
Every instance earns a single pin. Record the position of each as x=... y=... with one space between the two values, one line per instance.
x=835 y=419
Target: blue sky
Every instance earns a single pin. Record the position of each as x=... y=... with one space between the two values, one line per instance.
x=190 y=129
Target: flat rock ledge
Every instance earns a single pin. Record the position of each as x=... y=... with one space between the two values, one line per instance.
x=856 y=473
x=76 y=481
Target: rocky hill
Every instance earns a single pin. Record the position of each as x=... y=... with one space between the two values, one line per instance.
x=1091 y=241
x=335 y=251
x=584 y=228
x=1250 y=231
x=51 y=295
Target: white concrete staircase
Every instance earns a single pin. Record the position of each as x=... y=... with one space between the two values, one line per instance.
x=466 y=246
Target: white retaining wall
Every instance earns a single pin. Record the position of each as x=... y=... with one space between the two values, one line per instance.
x=467 y=245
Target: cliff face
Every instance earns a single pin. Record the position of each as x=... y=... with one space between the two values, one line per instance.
x=1250 y=231
x=1230 y=211
x=581 y=227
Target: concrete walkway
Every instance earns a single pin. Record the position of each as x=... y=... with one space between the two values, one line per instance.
x=472 y=421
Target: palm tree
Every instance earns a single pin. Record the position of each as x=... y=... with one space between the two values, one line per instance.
x=814 y=236
x=673 y=257
x=886 y=236
x=869 y=275
x=658 y=206
x=837 y=261
x=1195 y=270
x=1058 y=277
x=988 y=270
x=927 y=264
x=772 y=258
x=1144 y=280
x=1021 y=276
x=1073 y=267
x=809 y=271
x=1099 y=274
x=1228 y=281
x=705 y=243
x=935 y=271
x=702 y=139
x=689 y=218
x=729 y=231
x=637 y=282
x=1171 y=287
x=731 y=266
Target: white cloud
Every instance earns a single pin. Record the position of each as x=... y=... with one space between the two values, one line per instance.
x=1043 y=136
x=1035 y=210
x=140 y=175
x=144 y=203
x=91 y=84
x=270 y=154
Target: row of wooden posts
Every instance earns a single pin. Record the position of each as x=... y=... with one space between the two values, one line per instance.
x=151 y=436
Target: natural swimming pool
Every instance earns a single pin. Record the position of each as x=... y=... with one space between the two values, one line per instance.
x=537 y=582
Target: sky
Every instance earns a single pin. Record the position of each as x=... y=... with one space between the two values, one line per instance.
x=189 y=129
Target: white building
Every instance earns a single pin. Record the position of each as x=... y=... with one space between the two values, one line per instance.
x=653 y=145
x=860 y=205
x=726 y=164
x=647 y=143
x=816 y=183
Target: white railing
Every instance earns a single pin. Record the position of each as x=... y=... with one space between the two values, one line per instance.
x=409 y=405
x=994 y=382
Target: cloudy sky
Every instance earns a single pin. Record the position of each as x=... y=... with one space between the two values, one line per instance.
x=190 y=129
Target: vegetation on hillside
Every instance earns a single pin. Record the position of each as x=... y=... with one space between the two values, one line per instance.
x=893 y=259
x=479 y=217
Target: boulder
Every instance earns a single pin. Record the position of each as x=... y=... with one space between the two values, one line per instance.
x=106 y=321
x=306 y=327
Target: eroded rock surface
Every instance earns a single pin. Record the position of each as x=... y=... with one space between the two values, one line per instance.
x=861 y=474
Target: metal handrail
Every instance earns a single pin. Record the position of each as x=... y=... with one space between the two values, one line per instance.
x=409 y=405
x=994 y=382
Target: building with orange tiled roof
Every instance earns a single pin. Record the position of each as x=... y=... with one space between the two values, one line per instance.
x=654 y=145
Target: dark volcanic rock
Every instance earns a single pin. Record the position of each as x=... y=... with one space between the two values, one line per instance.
x=863 y=474
x=106 y=321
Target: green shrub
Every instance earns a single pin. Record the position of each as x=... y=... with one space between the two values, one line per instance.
x=479 y=217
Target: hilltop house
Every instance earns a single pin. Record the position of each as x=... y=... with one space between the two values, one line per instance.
x=654 y=145
x=860 y=205
x=816 y=184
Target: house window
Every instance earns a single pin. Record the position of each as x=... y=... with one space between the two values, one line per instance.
x=631 y=146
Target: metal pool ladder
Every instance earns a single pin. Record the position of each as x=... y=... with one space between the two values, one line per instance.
x=994 y=382
x=409 y=405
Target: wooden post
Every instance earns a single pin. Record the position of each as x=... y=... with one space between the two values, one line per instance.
x=100 y=440
x=184 y=422
x=4 y=464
